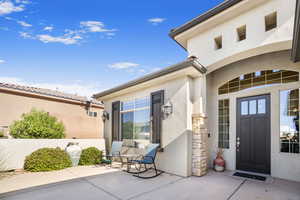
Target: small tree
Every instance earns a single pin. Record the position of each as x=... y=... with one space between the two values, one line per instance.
x=37 y=124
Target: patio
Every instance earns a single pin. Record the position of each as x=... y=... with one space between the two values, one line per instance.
x=119 y=185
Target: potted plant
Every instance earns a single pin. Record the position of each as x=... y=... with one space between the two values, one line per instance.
x=219 y=162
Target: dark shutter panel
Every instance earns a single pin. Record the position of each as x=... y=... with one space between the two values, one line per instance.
x=116 y=121
x=157 y=101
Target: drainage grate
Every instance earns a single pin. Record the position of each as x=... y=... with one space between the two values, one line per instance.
x=252 y=176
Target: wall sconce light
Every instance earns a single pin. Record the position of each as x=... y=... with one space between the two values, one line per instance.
x=167 y=109
x=105 y=116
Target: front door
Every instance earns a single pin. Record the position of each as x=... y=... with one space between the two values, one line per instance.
x=253 y=134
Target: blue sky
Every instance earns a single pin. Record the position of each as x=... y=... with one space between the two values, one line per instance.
x=87 y=46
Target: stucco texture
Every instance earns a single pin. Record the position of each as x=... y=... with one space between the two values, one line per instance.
x=176 y=129
x=77 y=123
x=283 y=165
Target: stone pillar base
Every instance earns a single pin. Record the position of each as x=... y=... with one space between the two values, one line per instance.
x=199 y=145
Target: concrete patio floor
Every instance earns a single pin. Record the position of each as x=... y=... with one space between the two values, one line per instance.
x=120 y=185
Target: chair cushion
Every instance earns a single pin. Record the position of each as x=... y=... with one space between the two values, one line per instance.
x=145 y=161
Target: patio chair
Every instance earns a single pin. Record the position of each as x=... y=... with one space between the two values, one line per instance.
x=115 y=151
x=146 y=160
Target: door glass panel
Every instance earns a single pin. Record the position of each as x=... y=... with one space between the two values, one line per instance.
x=252 y=107
x=261 y=107
x=244 y=108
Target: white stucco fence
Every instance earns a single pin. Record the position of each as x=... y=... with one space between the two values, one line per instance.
x=14 y=151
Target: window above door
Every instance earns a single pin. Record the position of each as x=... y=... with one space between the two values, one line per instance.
x=258 y=79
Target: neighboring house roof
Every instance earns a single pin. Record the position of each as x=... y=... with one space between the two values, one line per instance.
x=192 y=61
x=296 y=40
x=47 y=92
x=203 y=17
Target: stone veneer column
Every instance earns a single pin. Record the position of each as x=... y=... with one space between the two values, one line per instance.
x=199 y=145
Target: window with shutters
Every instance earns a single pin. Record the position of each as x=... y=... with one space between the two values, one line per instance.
x=135 y=119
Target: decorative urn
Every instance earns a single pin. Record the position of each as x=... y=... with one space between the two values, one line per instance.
x=219 y=162
x=74 y=151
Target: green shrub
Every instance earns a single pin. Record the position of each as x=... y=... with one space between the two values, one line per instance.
x=37 y=124
x=47 y=159
x=90 y=156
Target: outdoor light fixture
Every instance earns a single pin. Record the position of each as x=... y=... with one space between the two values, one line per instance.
x=167 y=109
x=105 y=116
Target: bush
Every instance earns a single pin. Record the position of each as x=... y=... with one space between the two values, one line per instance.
x=37 y=124
x=90 y=156
x=47 y=159
x=1 y=133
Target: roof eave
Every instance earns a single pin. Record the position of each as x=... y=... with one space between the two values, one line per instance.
x=47 y=97
x=214 y=11
x=188 y=63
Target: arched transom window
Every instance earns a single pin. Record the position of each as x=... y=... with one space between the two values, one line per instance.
x=258 y=79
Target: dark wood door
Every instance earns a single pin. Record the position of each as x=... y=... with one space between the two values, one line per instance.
x=253 y=134
x=157 y=100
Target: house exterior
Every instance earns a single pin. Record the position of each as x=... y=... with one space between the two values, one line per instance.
x=238 y=90
x=81 y=117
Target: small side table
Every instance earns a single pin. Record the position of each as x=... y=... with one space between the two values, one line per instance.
x=127 y=158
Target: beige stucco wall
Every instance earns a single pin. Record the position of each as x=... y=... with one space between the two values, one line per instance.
x=200 y=39
x=176 y=129
x=77 y=123
x=199 y=95
x=283 y=165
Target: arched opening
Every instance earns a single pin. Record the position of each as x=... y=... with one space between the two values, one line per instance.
x=258 y=79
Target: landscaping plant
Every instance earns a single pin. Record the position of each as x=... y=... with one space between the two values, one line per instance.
x=47 y=159
x=90 y=156
x=37 y=124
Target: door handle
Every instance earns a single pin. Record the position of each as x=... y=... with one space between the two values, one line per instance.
x=238 y=143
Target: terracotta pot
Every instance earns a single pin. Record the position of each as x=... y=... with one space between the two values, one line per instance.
x=219 y=163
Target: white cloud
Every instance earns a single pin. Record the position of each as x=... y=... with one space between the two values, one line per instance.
x=155 y=69
x=26 y=35
x=69 y=36
x=110 y=34
x=7 y=7
x=156 y=21
x=123 y=65
x=23 y=1
x=2 y=61
x=77 y=87
x=24 y=24
x=142 y=71
x=65 y=39
x=95 y=26
x=48 y=28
